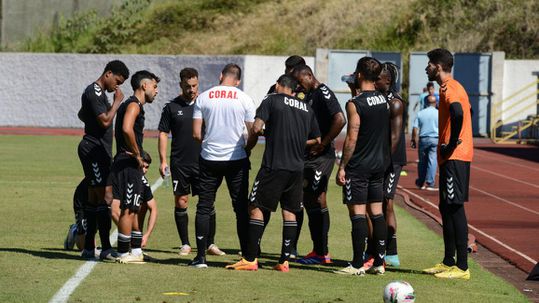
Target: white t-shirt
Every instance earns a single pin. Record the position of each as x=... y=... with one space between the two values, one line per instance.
x=224 y=109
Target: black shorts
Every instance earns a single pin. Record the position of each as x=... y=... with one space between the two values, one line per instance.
x=391 y=180
x=454 y=182
x=363 y=188
x=127 y=182
x=317 y=173
x=272 y=186
x=95 y=161
x=185 y=179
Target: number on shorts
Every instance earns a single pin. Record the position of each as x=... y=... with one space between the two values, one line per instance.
x=175 y=184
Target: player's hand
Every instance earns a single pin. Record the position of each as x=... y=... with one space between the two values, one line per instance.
x=140 y=161
x=317 y=149
x=341 y=177
x=447 y=149
x=144 y=240
x=163 y=169
x=413 y=144
x=118 y=95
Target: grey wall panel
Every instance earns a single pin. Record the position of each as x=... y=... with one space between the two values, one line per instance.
x=44 y=90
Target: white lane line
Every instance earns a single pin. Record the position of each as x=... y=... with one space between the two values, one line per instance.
x=528 y=258
x=69 y=287
x=506 y=177
x=505 y=200
x=490 y=154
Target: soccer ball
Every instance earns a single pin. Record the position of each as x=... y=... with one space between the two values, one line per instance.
x=399 y=292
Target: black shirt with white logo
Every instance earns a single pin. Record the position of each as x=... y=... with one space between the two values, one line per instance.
x=138 y=127
x=325 y=106
x=289 y=122
x=372 y=152
x=177 y=118
x=94 y=102
x=399 y=156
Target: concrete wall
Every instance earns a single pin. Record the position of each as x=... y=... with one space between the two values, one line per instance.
x=43 y=90
x=517 y=75
x=22 y=19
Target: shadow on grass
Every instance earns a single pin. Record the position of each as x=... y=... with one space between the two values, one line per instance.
x=47 y=253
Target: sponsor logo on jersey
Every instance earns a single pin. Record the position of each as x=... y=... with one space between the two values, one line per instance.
x=223 y=94
x=295 y=103
x=375 y=100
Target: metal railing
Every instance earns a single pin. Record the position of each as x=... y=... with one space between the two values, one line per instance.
x=497 y=134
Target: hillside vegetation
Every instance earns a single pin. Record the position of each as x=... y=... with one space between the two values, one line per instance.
x=281 y=27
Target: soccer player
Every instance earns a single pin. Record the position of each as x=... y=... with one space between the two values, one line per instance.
x=177 y=118
x=455 y=153
x=365 y=158
x=95 y=152
x=226 y=112
x=127 y=175
x=320 y=159
x=386 y=84
x=290 y=63
x=289 y=124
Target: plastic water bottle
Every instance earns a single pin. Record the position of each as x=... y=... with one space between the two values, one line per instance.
x=348 y=79
x=167 y=177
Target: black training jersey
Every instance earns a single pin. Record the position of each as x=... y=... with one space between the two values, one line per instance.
x=138 y=127
x=177 y=118
x=289 y=122
x=399 y=157
x=94 y=102
x=325 y=106
x=372 y=147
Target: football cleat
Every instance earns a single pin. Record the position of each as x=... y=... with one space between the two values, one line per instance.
x=69 y=242
x=313 y=258
x=454 y=273
x=130 y=258
x=108 y=255
x=284 y=267
x=368 y=263
x=392 y=261
x=351 y=271
x=215 y=251
x=376 y=270
x=244 y=265
x=185 y=250
x=438 y=268
x=198 y=262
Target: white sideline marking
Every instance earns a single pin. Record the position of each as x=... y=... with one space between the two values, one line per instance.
x=528 y=258
x=487 y=154
x=505 y=200
x=69 y=287
x=506 y=177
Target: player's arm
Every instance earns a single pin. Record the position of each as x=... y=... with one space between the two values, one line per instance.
x=162 y=142
x=337 y=124
x=396 y=109
x=256 y=130
x=128 y=131
x=152 y=207
x=456 y=119
x=105 y=119
x=350 y=140
x=197 y=129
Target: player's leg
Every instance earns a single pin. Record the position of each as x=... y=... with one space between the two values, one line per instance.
x=237 y=180
x=136 y=236
x=181 y=189
x=211 y=176
x=390 y=187
x=422 y=153
x=85 y=157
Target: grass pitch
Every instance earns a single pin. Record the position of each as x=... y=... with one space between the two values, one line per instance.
x=39 y=175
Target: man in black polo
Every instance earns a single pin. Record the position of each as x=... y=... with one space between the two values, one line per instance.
x=289 y=125
x=320 y=159
x=177 y=118
x=366 y=155
x=95 y=152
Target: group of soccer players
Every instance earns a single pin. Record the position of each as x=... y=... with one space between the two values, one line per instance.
x=213 y=134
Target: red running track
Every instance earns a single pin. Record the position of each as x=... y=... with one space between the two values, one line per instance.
x=503 y=211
